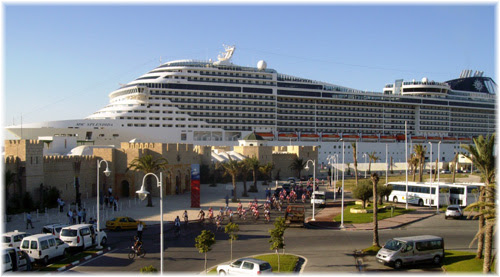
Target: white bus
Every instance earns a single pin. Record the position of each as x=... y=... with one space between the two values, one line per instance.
x=422 y=194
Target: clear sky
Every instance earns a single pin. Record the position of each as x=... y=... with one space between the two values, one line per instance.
x=62 y=61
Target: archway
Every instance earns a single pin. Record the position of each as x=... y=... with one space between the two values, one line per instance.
x=178 y=183
x=125 y=188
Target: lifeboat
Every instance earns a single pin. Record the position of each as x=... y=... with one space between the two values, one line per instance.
x=287 y=136
x=388 y=137
x=400 y=137
x=422 y=138
x=350 y=137
x=449 y=139
x=309 y=136
x=464 y=139
x=268 y=136
x=369 y=137
x=330 y=137
x=434 y=138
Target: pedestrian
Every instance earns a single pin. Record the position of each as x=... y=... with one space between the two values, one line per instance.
x=111 y=201
x=339 y=191
x=84 y=216
x=106 y=201
x=115 y=204
x=139 y=230
x=227 y=200
x=70 y=217
x=91 y=221
x=60 y=202
x=74 y=216
x=79 y=214
x=110 y=191
x=28 y=221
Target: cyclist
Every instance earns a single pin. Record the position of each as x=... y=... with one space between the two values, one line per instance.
x=221 y=212
x=137 y=245
x=239 y=207
x=267 y=214
x=185 y=217
x=256 y=214
x=210 y=214
x=218 y=222
x=201 y=215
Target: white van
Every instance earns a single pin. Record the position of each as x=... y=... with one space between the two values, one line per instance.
x=82 y=236
x=54 y=229
x=43 y=247
x=15 y=260
x=318 y=198
x=409 y=250
x=13 y=239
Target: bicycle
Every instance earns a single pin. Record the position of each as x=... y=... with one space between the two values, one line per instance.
x=139 y=253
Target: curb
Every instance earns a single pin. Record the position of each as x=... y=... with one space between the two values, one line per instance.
x=299 y=272
x=68 y=266
x=318 y=225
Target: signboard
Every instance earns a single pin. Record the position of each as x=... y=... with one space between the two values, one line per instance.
x=195 y=185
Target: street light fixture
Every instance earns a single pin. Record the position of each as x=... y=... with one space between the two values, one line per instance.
x=343 y=169
x=107 y=172
x=314 y=184
x=142 y=194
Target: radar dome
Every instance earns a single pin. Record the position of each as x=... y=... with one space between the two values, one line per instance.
x=261 y=65
x=424 y=80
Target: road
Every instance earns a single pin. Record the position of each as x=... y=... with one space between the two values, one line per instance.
x=325 y=250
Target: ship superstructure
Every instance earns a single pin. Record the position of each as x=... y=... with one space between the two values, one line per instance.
x=217 y=103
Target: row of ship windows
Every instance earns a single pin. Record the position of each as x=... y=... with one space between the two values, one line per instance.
x=231 y=81
x=209 y=94
x=219 y=73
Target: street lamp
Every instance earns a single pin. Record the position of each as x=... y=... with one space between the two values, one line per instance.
x=366 y=169
x=107 y=172
x=142 y=193
x=314 y=184
x=437 y=189
x=343 y=169
x=430 y=174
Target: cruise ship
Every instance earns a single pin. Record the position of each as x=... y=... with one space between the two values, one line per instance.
x=218 y=102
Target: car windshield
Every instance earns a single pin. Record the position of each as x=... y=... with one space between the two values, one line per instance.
x=46 y=230
x=453 y=208
x=68 y=233
x=6 y=239
x=319 y=196
x=265 y=266
x=394 y=245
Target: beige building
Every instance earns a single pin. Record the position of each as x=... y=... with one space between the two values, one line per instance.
x=32 y=169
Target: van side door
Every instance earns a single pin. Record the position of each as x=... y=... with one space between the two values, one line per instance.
x=86 y=239
x=408 y=253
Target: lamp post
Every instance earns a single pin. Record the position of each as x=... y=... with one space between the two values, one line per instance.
x=106 y=172
x=142 y=193
x=406 y=160
x=366 y=169
x=430 y=174
x=331 y=159
x=437 y=188
x=343 y=169
x=386 y=164
x=314 y=184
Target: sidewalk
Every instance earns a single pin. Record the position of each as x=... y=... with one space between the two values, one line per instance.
x=173 y=205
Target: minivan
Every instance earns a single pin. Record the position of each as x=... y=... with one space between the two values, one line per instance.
x=15 y=260
x=398 y=252
x=13 y=239
x=43 y=247
x=81 y=236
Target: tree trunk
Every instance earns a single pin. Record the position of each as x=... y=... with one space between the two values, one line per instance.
x=205 y=263
x=370 y=167
x=488 y=244
x=254 y=179
x=435 y=173
x=245 y=193
x=421 y=173
x=231 y=249
x=481 y=221
x=149 y=188
x=375 y=214
x=234 y=188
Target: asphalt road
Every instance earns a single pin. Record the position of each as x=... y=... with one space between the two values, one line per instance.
x=325 y=250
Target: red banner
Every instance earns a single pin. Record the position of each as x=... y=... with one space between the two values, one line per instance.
x=195 y=186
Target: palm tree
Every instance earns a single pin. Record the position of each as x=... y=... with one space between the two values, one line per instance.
x=372 y=157
x=375 y=180
x=413 y=161
x=244 y=171
x=298 y=165
x=482 y=153
x=266 y=170
x=420 y=151
x=454 y=165
x=232 y=168
x=253 y=164
x=354 y=146
x=147 y=164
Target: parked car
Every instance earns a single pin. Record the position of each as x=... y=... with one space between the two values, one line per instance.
x=13 y=239
x=453 y=211
x=319 y=198
x=445 y=171
x=245 y=266
x=398 y=252
x=122 y=223
x=15 y=260
x=43 y=247
x=54 y=229
x=82 y=236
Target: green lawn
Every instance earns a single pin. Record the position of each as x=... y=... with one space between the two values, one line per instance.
x=368 y=217
x=462 y=261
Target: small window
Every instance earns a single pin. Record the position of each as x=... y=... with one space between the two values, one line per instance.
x=18 y=238
x=247 y=265
x=236 y=264
x=52 y=242
x=44 y=244
x=25 y=244
x=34 y=244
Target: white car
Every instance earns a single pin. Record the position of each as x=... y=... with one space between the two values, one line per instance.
x=245 y=266
x=319 y=198
x=53 y=229
x=43 y=247
x=82 y=236
x=15 y=260
x=453 y=211
x=13 y=239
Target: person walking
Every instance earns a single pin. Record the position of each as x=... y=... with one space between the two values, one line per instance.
x=70 y=217
x=84 y=216
x=227 y=200
x=74 y=216
x=79 y=213
x=28 y=221
x=139 y=230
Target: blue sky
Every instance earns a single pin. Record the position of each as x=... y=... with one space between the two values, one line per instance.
x=62 y=61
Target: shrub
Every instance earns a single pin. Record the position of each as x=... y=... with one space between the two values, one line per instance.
x=149 y=269
x=363 y=191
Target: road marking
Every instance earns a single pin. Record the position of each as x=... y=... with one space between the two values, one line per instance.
x=86 y=262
